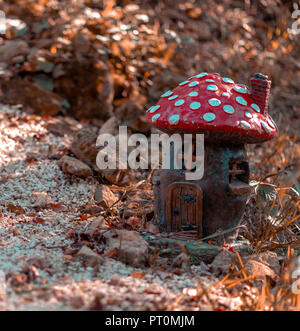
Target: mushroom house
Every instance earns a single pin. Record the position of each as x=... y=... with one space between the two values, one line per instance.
x=229 y=115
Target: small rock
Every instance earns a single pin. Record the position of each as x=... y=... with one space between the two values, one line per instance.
x=91 y=209
x=204 y=32
x=111 y=126
x=59 y=127
x=96 y=223
x=72 y=166
x=40 y=100
x=70 y=234
x=18 y=59
x=41 y=199
x=112 y=175
x=129 y=112
x=181 y=261
x=263 y=264
x=93 y=258
x=104 y=196
x=13 y=48
x=132 y=248
x=84 y=146
x=223 y=261
x=270 y=259
x=116 y=280
x=141 y=125
x=256 y=268
x=77 y=302
x=18 y=210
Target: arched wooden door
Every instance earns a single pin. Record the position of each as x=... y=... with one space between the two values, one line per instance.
x=184 y=207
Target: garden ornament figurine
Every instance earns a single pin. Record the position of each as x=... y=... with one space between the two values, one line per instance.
x=229 y=116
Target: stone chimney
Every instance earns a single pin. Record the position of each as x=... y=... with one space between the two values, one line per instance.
x=260 y=91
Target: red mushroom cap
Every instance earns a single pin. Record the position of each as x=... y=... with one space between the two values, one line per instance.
x=216 y=106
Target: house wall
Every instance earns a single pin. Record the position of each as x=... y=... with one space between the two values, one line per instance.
x=221 y=210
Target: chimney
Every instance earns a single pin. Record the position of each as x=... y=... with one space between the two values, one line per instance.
x=260 y=90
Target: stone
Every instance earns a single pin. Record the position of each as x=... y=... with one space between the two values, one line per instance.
x=12 y=48
x=171 y=248
x=104 y=196
x=256 y=268
x=59 y=126
x=111 y=126
x=131 y=248
x=181 y=261
x=204 y=32
x=269 y=258
x=84 y=146
x=263 y=264
x=113 y=176
x=141 y=125
x=18 y=210
x=91 y=257
x=91 y=209
x=95 y=224
x=129 y=112
x=43 y=102
x=75 y=167
x=41 y=199
x=223 y=262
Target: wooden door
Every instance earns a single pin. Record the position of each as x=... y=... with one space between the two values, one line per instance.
x=184 y=207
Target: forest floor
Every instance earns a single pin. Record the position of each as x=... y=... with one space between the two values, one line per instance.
x=47 y=216
x=40 y=216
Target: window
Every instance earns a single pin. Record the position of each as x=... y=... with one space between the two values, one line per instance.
x=238 y=171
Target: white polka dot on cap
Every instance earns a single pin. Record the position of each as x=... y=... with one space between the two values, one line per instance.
x=241 y=101
x=208 y=117
x=245 y=125
x=240 y=89
x=179 y=102
x=154 y=108
x=155 y=117
x=228 y=109
x=168 y=93
x=212 y=88
x=202 y=74
x=214 y=102
x=192 y=84
x=174 y=119
x=227 y=80
x=195 y=105
x=183 y=83
x=266 y=127
x=255 y=107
